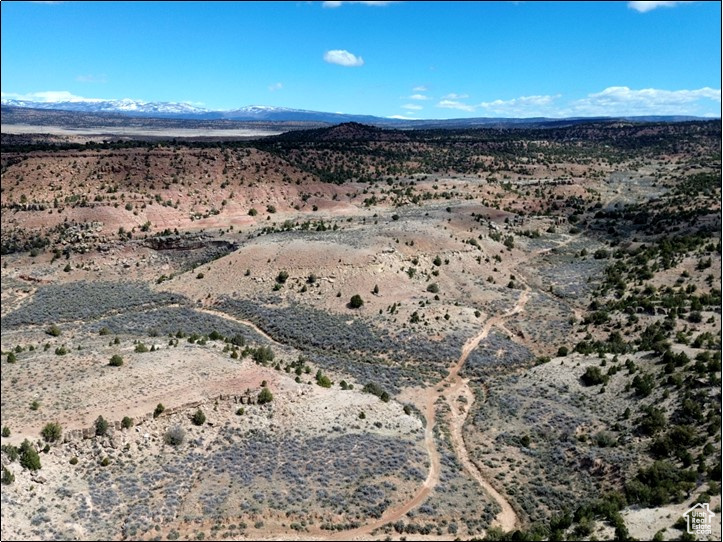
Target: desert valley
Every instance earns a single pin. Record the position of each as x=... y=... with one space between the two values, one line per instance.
x=351 y=332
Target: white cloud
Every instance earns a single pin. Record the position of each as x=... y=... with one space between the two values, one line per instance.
x=92 y=78
x=648 y=101
x=524 y=106
x=368 y=3
x=413 y=107
x=618 y=101
x=401 y=117
x=343 y=58
x=453 y=104
x=275 y=87
x=49 y=96
x=453 y=96
x=420 y=88
x=643 y=6
x=418 y=97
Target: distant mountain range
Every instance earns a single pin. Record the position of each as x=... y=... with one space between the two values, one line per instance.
x=138 y=108
x=173 y=110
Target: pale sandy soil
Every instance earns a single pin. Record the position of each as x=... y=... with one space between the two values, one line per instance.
x=131 y=131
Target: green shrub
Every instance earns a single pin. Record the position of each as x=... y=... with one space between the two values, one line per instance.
x=52 y=432
x=659 y=484
x=126 y=422
x=6 y=431
x=376 y=389
x=53 y=331
x=11 y=451
x=74 y=460
x=198 y=418
x=101 y=426
x=174 y=436
x=323 y=381
x=263 y=355
x=643 y=385
x=601 y=254
x=253 y=212
x=29 y=457
x=159 y=410
x=116 y=361
x=265 y=396
x=7 y=477
x=104 y=331
x=356 y=301
x=593 y=376
x=433 y=288
x=282 y=277
x=11 y=357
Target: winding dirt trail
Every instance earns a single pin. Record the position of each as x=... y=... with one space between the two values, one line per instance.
x=393 y=514
x=456 y=392
x=507 y=519
x=246 y=323
x=450 y=388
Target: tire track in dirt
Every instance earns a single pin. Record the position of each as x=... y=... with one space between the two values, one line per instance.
x=246 y=323
x=450 y=388
x=507 y=519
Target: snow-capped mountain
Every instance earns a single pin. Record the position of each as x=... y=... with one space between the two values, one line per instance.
x=140 y=108
x=125 y=105
x=265 y=113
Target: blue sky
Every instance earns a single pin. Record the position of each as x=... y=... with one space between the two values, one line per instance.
x=407 y=59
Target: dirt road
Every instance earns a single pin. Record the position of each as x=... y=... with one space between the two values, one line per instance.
x=450 y=388
x=507 y=519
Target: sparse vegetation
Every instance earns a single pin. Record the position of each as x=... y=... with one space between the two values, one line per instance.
x=116 y=360
x=265 y=396
x=174 y=436
x=198 y=418
x=589 y=253
x=8 y=477
x=101 y=426
x=29 y=458
x=52 y=432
